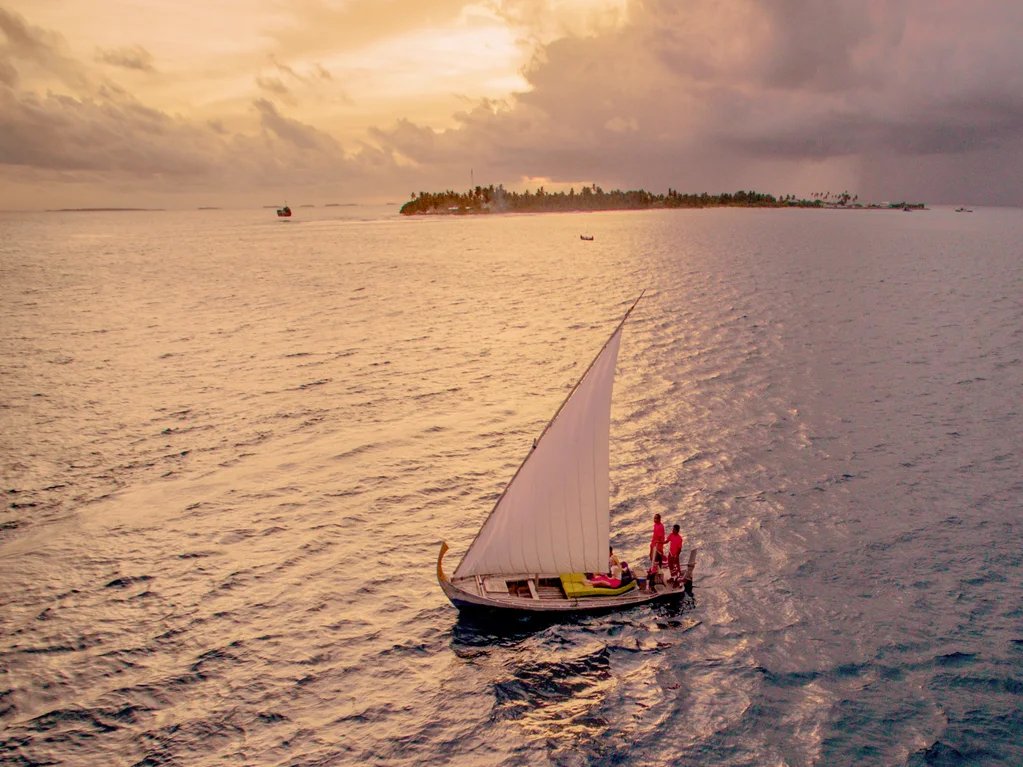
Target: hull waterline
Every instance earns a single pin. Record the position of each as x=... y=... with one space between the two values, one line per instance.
x=474 y=601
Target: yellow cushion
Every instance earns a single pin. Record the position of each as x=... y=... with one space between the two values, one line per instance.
x=576 y=587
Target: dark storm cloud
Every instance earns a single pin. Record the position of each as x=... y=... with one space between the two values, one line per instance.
x=817 y=46
x=708 y=88
x=129 y=57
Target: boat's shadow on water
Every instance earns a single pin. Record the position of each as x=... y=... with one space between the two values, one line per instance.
x=562 y=680
x=475 y=630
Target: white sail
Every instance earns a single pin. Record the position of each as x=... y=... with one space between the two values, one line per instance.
x=554 y=515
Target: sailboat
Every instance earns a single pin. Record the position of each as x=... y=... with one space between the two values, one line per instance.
x=550 y=528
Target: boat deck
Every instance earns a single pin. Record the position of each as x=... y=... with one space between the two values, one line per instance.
x=544 y=593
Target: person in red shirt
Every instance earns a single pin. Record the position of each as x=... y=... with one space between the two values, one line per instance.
x=657 y=542
x=674 y=551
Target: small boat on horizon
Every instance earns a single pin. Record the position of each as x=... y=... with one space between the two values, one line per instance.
x=284 y=212
x=587 y=237
x=548 y=535
x=963 y=210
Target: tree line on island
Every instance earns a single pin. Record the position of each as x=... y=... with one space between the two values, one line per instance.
x=491 y=199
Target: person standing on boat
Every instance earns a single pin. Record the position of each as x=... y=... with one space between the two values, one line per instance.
x=612 y=558
x=675 y=541
x=657 y=541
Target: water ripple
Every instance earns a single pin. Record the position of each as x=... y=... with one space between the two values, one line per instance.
x=230 y=450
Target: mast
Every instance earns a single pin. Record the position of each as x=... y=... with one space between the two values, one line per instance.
x=565 y=401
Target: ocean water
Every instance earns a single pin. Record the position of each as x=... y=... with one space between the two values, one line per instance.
x=230 y=447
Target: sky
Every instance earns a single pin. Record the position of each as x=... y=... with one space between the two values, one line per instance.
x=153 y=103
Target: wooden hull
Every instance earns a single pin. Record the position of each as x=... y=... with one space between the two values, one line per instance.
x=470 y=595
x=474 y=603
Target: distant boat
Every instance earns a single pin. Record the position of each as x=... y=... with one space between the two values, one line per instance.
x=550 y=528
x=963 y=210
x=586 y=237
x=284 y=212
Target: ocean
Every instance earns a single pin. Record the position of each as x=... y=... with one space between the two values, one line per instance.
x=231 y=445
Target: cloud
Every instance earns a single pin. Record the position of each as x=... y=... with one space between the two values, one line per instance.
x=705 y=95
x=702 y=93
x=114 y=137
x=8 y=74
x=21 y=39
x=273 y=85
x=129 y=57
x=621 y=124
x=293 y=87
x=61 y=133
x=94 y=132
x=318 y=27
x=299 y=134
x=37 y=49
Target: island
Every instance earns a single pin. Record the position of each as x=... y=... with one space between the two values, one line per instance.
x=492 y=199
x=105 y=210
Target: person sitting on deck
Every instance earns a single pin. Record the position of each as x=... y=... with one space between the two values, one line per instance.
x=612 y=559
x=603 y=581
x=626 y=573
x=657 y=541
x=674 y=551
